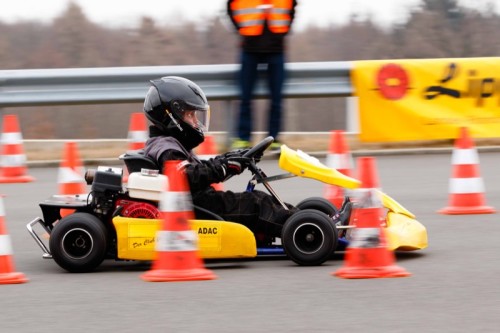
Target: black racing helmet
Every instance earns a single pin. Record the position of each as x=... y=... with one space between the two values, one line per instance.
x=167 y=103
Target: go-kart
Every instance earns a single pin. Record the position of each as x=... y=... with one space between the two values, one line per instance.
x=120 y=222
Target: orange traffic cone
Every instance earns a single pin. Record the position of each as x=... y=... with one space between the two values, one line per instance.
x=137 y=135
x=367 y=255
x=206 y=150
x=176 y=245
x=338 y=157
x=71 y=174
x=12 y=158
x=466 y=186
x=7 y=274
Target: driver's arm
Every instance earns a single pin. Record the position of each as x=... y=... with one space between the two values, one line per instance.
x=199 y=175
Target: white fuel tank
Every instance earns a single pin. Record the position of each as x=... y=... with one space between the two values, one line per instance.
x=147 y=184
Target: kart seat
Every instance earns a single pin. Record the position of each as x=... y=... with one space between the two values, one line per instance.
x=135 y=160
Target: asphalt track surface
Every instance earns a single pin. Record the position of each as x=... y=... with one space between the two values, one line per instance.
x=454 y=287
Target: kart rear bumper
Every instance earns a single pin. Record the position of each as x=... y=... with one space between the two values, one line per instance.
x=46 y=253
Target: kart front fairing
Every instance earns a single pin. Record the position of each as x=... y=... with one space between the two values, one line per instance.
x=403 y=231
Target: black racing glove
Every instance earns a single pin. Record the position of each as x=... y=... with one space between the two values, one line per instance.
x=241 y=152
x=235 y=165
x=235 y=153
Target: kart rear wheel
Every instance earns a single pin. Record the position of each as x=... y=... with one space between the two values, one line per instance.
x=318 y=203
x=78 y=242
x=309 y=237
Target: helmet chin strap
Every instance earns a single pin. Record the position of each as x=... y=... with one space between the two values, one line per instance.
x=175 y=122
x=184 y=136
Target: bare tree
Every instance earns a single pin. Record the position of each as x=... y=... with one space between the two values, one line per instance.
x=435 y=29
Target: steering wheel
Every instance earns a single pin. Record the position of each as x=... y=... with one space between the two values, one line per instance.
x=259 y=148
x=256 y=151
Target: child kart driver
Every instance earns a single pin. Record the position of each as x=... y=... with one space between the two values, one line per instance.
x=179 y=113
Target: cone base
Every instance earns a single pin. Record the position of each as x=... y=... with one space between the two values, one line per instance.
x=18 y=179
x=11 y=278
x=467 y=210
x=166 y=275
x=392 y=271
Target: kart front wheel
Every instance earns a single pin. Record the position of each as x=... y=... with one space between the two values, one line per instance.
x=78 y=242
x=318 y=203
x=309 y=237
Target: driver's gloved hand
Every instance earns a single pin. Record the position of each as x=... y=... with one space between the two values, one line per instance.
x=235 y=165
x=241 y=152
x=235 y=153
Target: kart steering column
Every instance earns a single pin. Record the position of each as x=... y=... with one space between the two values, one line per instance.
x=260 y=177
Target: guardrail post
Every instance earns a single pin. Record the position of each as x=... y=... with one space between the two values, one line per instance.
x=352 y=121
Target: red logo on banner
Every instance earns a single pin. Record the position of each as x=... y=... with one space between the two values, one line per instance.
x=392 y=81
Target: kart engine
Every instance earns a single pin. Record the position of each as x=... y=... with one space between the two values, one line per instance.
x=109 y=197
x=106 y=185
x=137 y=209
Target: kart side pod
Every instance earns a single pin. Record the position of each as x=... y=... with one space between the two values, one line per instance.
x=216 y=239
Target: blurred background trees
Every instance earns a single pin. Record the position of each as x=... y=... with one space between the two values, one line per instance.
x=437 y=29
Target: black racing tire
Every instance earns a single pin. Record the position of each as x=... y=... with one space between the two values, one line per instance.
x=79 y=242
x=318 y=203
x=309 y=237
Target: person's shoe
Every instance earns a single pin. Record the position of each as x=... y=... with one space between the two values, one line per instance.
x=344 y=215
x=241 y=144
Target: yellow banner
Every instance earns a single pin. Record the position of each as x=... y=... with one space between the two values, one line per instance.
x=427 y=99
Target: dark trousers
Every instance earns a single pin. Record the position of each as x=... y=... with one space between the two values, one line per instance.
x=247 y=79
x=256 y=210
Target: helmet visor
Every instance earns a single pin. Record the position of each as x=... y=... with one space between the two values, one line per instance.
x=198 y=119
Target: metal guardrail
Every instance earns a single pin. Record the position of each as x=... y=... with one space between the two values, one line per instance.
x=34 y=87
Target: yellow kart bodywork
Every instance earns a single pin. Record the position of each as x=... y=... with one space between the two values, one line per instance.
x=216 y=239
x=304 y=165
x=394 y=206
x=404 y=232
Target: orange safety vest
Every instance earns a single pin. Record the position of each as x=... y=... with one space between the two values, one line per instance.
x=250 y=15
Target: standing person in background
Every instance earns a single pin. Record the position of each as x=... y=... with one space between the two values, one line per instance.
x=262 y=25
